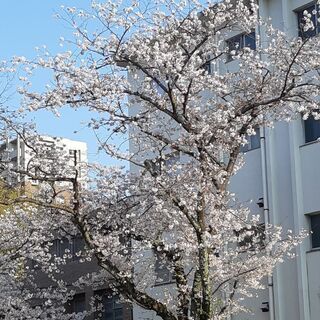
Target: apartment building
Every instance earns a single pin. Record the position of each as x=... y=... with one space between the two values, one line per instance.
x=282 y=171
x=282 y=177
x=21 y=155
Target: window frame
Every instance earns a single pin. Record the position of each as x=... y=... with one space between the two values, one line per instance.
x=207 y=65
x=258 y=232
x=299 y=11
x=161 y=163
x=315 y=237
x=315 y=127
x=241 y=44
x=62 y=247
x=79 y=297
x=248 y=146
x=102 y=297
x=160 y=265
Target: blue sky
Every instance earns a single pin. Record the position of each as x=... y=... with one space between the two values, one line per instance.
x=26 y=24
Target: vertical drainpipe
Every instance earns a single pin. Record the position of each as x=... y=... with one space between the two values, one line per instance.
x=265 y=190
x=266 y=211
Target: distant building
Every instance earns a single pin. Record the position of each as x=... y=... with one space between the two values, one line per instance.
x=22 y=156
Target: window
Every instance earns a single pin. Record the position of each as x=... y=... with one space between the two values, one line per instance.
x=77 y=246
x=112 y=309
x=253 y=142
x=75 y=159
x=162 y=164
x=311 y=129
x=207 y=65
x=315 y=229
x=65 y=246
x=312 y=12
x=75 y=154
x=252 y=237
x=162 y=271
x=60 y=247
x=78 y=303
x=239 y=42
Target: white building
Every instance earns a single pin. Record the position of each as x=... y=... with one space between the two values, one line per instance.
x=21 y=155
x=282 y=177
x=283 y=170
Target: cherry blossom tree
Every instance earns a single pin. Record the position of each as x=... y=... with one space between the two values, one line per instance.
x=152 y=73
x=27 y=235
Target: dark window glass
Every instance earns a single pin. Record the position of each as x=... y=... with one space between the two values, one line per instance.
x=162 y=270
x=77 y=246
x=241 y=41
x=250 y=40
x=253 y=142
x=64 y=246
x=60 y=247
x=161 y=164
x=311 y=129
x=234 y=44
x=311 y=9
x=207 y=67
x=78 y=304
x=118 y=313
x=251 y=238
x=112 y=309
x=315 y=228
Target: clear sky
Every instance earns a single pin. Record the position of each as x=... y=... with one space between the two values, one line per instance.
x=26 y=24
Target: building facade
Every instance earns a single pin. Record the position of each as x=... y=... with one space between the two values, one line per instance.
x=283 y=171
x=281 y=180
x=21 y=156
